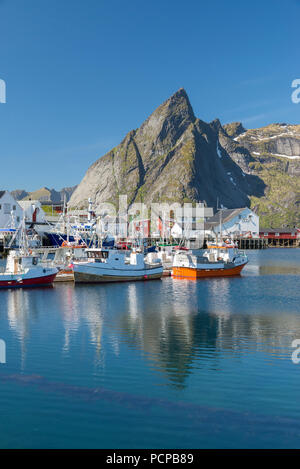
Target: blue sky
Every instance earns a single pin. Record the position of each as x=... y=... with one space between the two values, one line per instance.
x=81 y=73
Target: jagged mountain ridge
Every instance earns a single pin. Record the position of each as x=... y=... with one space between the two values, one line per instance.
x=176 y=157
x=44 y=194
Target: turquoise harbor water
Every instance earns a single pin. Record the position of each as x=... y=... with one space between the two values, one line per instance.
x=164 y=364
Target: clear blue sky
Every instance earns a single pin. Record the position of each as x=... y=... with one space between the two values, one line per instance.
x=81 y=73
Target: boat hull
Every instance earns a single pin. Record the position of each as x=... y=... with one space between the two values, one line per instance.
x=105 y=277
x=28 y=282
x=190 y=272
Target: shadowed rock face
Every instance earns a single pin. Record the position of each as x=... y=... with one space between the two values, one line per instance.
x=177 y=157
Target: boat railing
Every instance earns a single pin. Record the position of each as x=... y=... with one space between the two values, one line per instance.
x=47 y=263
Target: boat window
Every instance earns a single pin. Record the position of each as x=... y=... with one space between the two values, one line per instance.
x=6 y=209
x=34 y=261
x=103 y=254
x=98 y=254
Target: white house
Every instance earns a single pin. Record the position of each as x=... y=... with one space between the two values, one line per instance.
x=33 y=211
x=11 y=213
x=235 y=222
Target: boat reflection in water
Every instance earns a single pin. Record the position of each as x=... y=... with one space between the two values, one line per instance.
x=189 y=363
x=175 y=324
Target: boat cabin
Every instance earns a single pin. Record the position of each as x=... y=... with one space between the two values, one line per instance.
x=224 y=254
x=17 y=262
x=115 y=257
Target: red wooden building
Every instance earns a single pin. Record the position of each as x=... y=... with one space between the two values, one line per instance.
x=281 y=236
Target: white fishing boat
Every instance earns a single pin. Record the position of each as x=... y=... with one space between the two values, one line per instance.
x=112 y=265
x=23 y=268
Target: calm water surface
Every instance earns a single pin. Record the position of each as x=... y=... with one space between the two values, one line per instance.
x=164 y=364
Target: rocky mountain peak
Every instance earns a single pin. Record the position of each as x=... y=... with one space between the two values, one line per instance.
x=168 y=122
x=234 y=129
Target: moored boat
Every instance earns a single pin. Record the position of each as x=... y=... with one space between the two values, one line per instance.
x=112 y=265
x=218 y=261
x=24 y=270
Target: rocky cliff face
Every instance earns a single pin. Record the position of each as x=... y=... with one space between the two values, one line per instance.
x=276 y=160
x=176 y=157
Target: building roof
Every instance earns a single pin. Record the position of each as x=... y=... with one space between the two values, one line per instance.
x=28 y=203
x=278 y=230
x=226 y=215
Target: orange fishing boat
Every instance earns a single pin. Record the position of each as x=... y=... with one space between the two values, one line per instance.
x=220 y=260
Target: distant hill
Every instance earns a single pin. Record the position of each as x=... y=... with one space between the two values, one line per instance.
x=44 y=194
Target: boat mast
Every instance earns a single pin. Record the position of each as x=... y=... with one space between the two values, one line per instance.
x=221 y=235
x=23 y=238
x=220 y=219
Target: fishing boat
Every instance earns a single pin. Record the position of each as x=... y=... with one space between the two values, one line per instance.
x=24 y=270
x=61 y=258
x=112 y=265
x=223 y=260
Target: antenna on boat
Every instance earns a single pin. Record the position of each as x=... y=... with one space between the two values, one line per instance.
x=220 y=209
x=68 y=222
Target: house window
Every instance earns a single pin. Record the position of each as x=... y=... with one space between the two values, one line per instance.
x=14 y=207
x=0 y=207
x=6 y=208
x=18 y=219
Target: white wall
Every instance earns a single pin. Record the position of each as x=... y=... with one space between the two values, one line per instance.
x=10 y=210
x=243 y=223
x=29 y=207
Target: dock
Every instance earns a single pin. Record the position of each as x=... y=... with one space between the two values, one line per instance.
x=252 y=243
x=65 y=276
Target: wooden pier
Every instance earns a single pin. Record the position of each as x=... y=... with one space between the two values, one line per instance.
x=252 y=243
